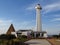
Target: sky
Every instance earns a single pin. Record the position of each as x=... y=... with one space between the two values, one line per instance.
x=22 y=14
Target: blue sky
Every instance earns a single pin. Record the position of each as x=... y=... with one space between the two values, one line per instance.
x=21 y=13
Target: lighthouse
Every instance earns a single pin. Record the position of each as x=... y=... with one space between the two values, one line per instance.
x=38 y=18
x=39 y=33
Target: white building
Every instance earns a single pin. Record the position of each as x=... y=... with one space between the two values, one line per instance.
x=25 y=32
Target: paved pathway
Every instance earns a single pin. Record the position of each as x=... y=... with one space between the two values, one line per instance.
x=38 y=42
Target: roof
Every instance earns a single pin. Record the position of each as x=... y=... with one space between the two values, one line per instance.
x=24 y=30
x=11 y=29
x=40 y=32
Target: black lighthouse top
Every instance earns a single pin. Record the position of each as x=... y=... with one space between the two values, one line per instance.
x=38 y=6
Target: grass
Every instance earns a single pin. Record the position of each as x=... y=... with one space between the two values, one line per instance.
x=54 y=41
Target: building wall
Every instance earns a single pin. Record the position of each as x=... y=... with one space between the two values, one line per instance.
x=24 y=33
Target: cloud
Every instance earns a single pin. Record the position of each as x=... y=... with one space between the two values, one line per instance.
x=57 y=15
x=51 y=7
x=45 y=8
x=58 y=25
x=25 y=25
x=5 y=21
x=55 y=19
x=4 y=25
x=31 y=6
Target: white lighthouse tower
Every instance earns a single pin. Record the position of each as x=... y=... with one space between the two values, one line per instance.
x=38 y=18
x=39 y=33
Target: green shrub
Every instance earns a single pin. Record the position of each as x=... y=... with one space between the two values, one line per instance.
x=7 y=37
x=23 y=36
